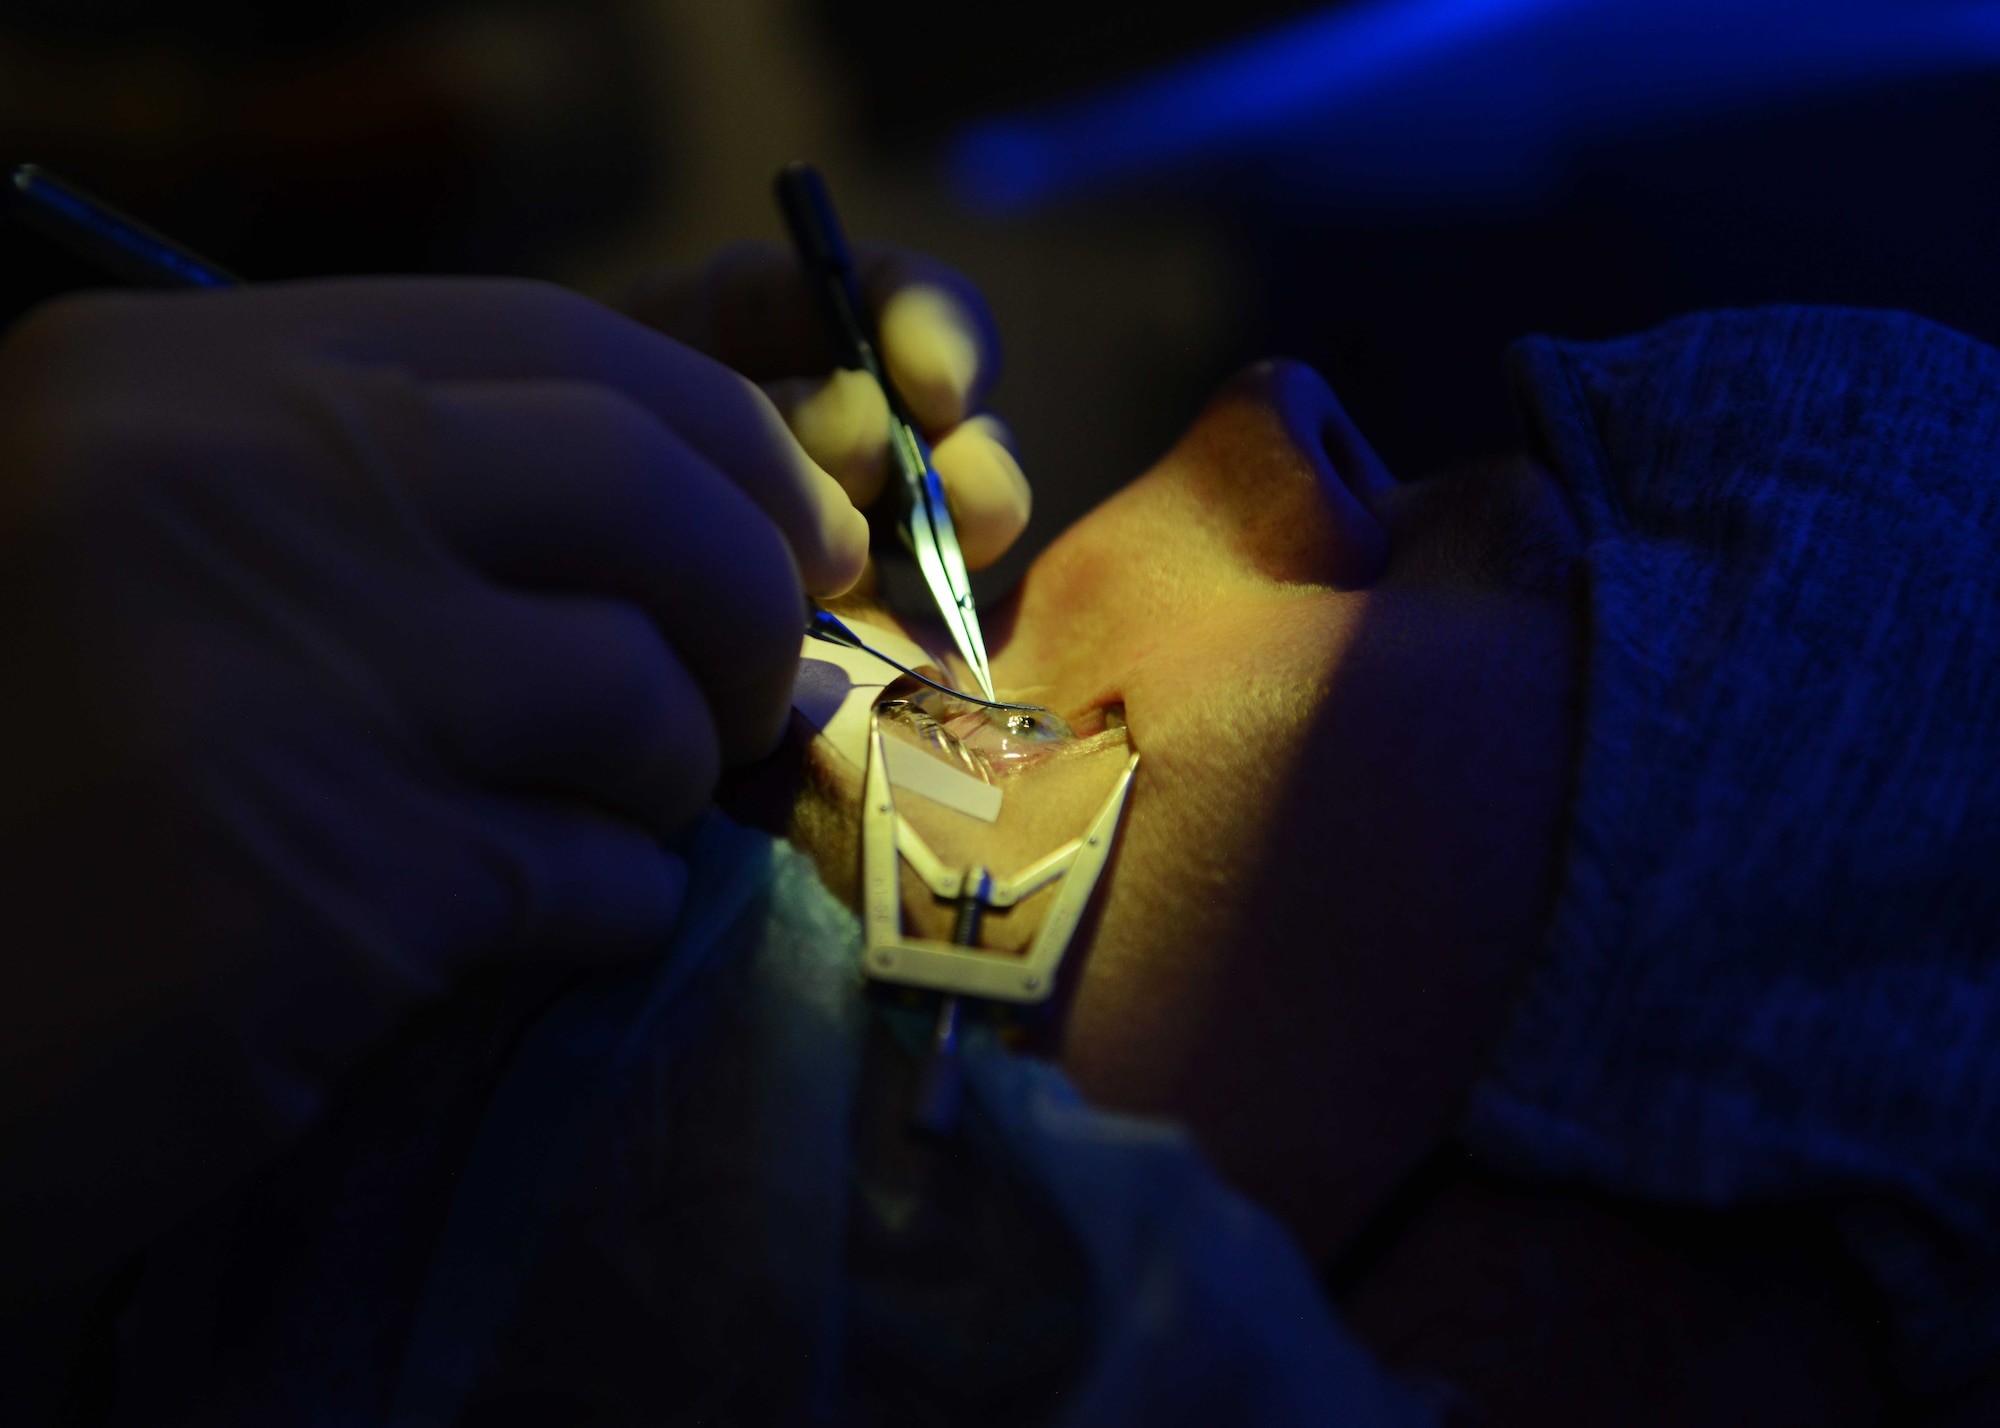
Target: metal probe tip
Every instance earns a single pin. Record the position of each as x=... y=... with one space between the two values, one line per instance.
x=822 y=626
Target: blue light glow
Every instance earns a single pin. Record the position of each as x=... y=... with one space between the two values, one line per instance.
x=1433 y=99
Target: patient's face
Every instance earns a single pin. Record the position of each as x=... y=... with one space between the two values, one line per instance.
x=1351 y=699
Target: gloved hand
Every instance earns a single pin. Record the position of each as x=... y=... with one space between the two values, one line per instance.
x=750 y=308
x=352 y=633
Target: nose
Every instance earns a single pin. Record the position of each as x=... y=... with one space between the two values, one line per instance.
x=1305 y=482
x=1320 y=426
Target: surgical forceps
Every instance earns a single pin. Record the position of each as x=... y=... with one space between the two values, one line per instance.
x=829 y=267
x=823 y=626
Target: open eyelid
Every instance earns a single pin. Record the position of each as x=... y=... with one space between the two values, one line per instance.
x=929 y=732
x=988 y=743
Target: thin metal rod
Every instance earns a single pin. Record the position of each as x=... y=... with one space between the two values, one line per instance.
x=934 y=1112
x=116 y=243
x=826 y=627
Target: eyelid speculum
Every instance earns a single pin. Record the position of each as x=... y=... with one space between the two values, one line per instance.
x=961 y=968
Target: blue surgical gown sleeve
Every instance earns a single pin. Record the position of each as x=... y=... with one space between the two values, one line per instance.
x=678 y=1193
x=667 y=1218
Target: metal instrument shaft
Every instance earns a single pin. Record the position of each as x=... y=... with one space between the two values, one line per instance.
x=829 y=266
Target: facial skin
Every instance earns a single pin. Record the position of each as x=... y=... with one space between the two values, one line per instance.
x=1353 y=705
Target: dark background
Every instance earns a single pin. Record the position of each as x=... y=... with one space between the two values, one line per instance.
x=584 y=140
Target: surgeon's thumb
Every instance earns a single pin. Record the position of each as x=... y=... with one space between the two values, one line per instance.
x=936 y=355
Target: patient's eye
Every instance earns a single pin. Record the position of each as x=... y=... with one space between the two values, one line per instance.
x=1006 y=739
x=984 y=742
x=908 y=719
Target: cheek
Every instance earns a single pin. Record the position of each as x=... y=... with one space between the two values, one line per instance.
x=1333 y=868
x=1115 y=592
x=1230 y=694
x=1221 y=715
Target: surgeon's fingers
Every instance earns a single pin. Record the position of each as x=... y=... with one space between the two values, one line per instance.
x=437 y=329
x=935 y=353
x=423 y=873
x=842 y=421
x=750 y=308
x=574 y=696
x=564 y=486
x=558 y=880
x=603 y=890
x=990 y=498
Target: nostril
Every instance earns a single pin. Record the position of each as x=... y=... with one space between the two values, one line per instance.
x=1278 y=457
x=1330 y=443
x=1350 y=453
x=1321 y=428
x=1324 y=530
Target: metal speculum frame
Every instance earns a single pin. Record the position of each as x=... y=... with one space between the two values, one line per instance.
x=961 y=968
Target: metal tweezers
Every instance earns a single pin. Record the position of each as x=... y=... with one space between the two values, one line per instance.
x=829 y=265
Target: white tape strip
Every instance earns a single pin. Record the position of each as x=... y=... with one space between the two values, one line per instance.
x=838 y=687
x=914 y=771
x=836 y=692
